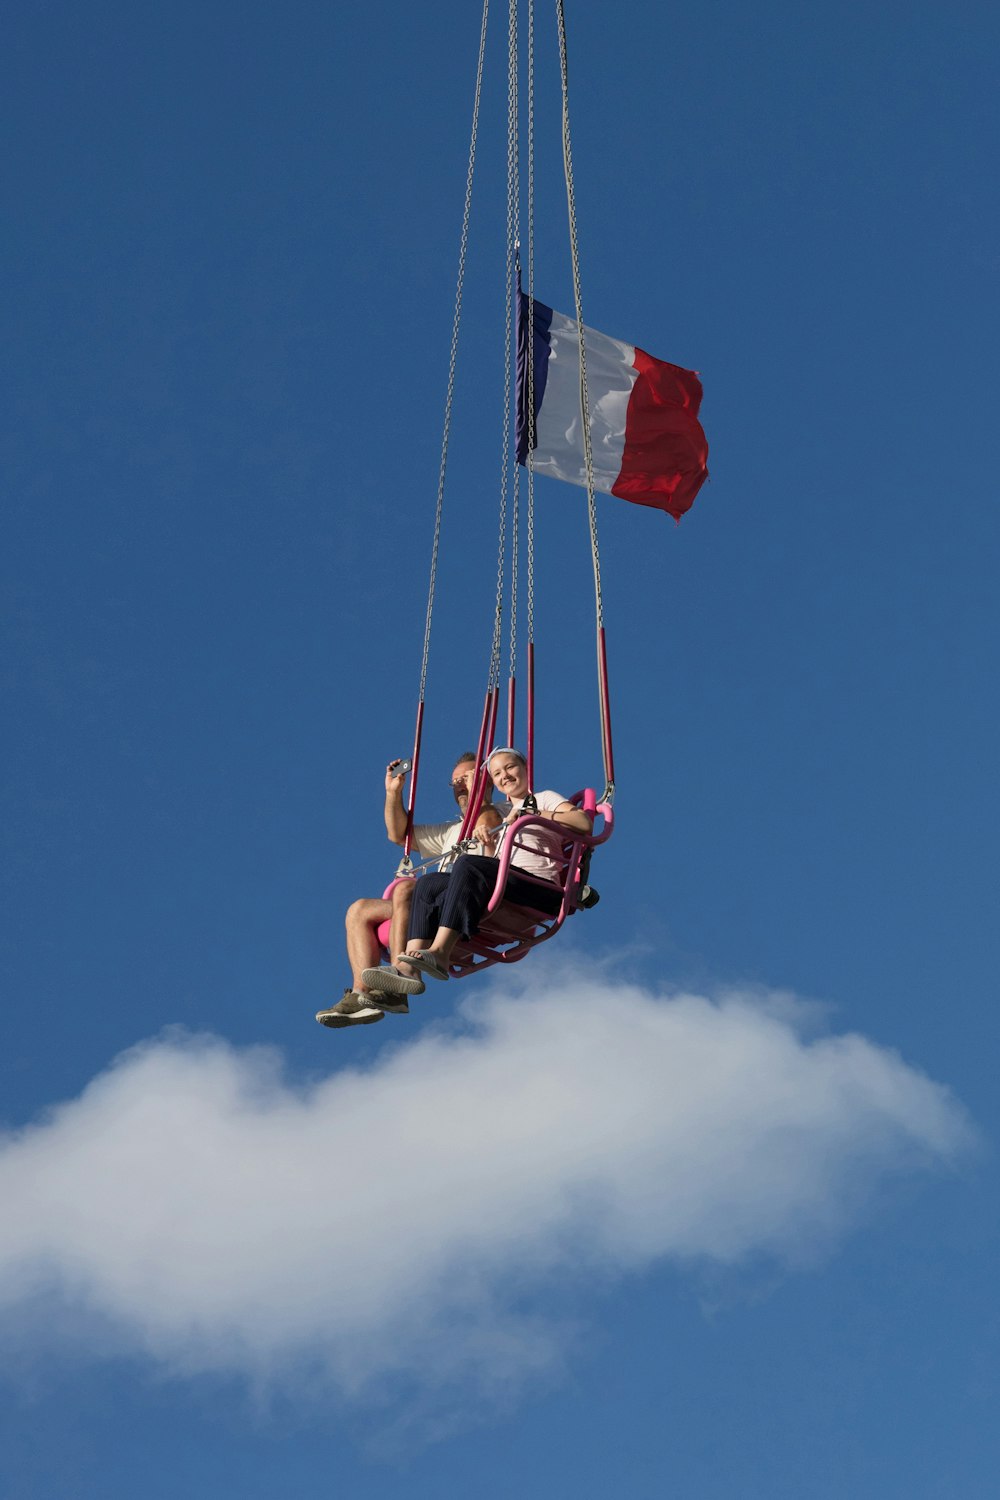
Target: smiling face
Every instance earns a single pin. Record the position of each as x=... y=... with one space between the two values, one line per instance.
x=510 y=775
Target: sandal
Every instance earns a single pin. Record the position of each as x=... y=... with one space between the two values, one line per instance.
x=426 y=962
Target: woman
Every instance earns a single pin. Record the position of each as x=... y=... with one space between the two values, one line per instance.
x=448 y=908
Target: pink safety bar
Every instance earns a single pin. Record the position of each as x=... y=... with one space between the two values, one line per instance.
x=508 y=932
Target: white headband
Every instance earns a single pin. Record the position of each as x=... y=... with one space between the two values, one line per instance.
x=507 y=750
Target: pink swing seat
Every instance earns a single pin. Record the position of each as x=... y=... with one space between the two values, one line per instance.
x=508 y=932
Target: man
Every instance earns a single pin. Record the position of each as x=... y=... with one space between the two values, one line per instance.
x=361 y=1004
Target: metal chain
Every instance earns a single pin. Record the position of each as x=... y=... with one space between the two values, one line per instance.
x=512 y=222
x=513 y=247
x=575 y=253
x=602 y=671
x=453 y=353
x=530 y=621
x=513 y=236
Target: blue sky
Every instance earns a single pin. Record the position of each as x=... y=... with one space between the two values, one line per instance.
x=702 y=1200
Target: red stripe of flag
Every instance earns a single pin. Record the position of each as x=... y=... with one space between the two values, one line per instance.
x=666 y=452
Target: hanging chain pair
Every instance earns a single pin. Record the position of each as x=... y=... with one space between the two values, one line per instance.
x=446 y=432
x=513 y=291
x=508 y=456
x=513 y=230
x=604 y=697
x=453 y=351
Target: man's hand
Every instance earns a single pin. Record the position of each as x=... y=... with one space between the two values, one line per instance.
x=394 y=779
x=485 y=831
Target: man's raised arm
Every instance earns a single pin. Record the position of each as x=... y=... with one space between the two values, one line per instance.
x=395 y=812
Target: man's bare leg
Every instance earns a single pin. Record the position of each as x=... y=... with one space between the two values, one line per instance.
x=363 y=918
x=385 y=982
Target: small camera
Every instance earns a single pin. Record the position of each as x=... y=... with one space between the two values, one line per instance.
x=399 y=767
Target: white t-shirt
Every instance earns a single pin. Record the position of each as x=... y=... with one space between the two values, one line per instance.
x=539 y=851
x=439 y=839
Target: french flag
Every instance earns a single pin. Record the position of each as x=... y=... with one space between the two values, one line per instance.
x=646 y=441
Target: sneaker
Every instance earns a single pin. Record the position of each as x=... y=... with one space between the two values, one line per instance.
x=353 y=1010
x=392 y=1005
x=390 y=982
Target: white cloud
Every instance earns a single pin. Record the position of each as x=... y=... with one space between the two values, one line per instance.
x=202 y=1209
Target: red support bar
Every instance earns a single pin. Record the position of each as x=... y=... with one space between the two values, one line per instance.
x=511 y=703
x=490 y=742
x=530 y=746
x=411 y=804
x=483 y=779
x=609 y=754
x=485 y=739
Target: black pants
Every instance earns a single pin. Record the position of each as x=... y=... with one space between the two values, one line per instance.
x=459 y=899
